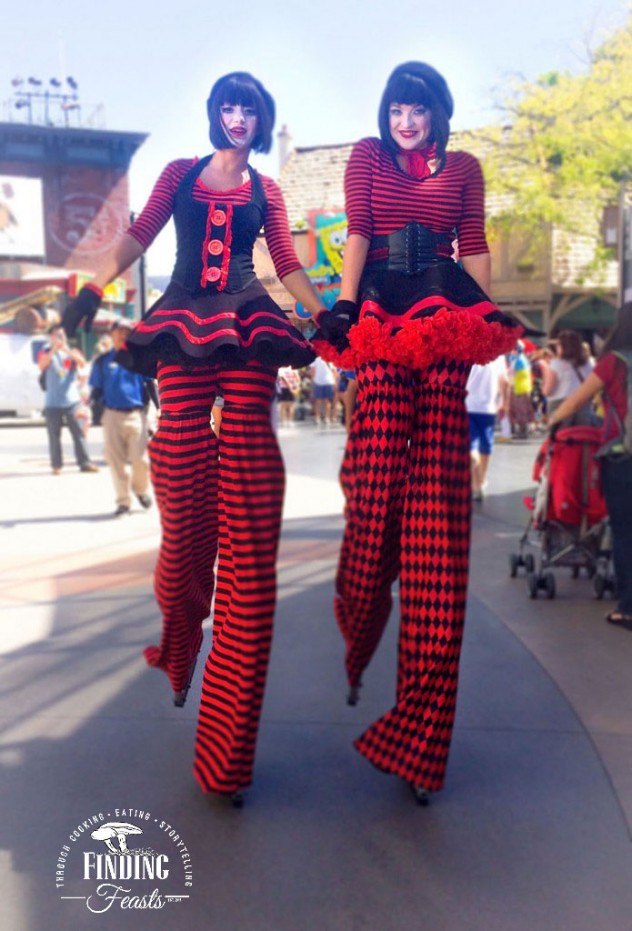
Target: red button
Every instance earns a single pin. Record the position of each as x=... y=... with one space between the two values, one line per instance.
x=213 y=274
x=218 y=218
x=216 y=246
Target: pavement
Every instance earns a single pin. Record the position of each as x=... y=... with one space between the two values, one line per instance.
x=532 y=832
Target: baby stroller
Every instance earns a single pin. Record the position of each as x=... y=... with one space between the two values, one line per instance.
x=568 y=513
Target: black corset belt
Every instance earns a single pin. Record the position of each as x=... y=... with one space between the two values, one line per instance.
x=409 y=250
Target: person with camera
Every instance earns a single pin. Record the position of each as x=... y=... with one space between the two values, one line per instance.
x=59 y=365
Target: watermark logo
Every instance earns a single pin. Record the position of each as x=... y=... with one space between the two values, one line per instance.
x=101 y=867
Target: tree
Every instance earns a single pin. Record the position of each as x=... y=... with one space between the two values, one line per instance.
x=563 y=147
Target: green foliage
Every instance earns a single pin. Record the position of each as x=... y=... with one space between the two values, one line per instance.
x=564 y=145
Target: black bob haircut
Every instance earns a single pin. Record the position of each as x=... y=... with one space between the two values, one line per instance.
x=416 y=82
x=241 y=88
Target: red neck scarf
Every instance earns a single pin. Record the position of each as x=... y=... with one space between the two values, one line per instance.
x=417 y=161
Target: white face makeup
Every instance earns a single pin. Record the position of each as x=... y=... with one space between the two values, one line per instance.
x=240 y=124
x=410 y=125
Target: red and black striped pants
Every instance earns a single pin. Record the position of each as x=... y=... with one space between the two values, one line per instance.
x=221 y=498
x=406 y=478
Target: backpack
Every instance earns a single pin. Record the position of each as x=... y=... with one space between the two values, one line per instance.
x=622 y=444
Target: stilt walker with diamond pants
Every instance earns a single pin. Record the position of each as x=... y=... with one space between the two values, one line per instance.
x=414 y=321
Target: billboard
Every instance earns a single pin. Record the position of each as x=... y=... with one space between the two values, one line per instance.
x=21 y=218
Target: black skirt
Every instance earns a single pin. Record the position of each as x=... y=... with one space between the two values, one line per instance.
x=418 y=320
x=218 y=328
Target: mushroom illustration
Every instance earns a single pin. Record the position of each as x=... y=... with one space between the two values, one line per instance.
x=115 y=829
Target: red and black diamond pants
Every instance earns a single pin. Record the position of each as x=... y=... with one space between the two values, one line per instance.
x=406 y=479
x=218 y=498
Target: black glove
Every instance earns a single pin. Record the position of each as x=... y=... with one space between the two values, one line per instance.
x=83 y=307
x=335 y=324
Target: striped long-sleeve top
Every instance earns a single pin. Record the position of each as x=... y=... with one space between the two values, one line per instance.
x=381 y=198
x=159 y=209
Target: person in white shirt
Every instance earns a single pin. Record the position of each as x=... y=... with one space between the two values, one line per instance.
x=564 y=375
x=486 y=393
x=323 y=382
x=287 y=388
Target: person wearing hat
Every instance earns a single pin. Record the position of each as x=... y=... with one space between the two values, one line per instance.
x=125 y=396
x=60 y=364
x=411 y=321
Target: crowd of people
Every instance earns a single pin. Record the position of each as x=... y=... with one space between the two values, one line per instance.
x=413 y=335
x=321 y=394
x=541 y=377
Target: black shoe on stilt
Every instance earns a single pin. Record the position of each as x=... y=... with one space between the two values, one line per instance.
x=179 y=698
x=353 y=695
x=235 y=799
x=422 y=796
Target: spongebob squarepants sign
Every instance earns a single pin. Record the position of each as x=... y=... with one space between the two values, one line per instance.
x=327 y=237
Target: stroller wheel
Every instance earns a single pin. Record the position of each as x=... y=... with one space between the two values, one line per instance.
x=514 y=562
x=529 y=562
x=549 y=584
x=599 y=585
x=532 y=584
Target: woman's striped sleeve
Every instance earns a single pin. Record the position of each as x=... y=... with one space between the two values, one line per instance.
x=158 y=209
x=471 y=226
x=358 y=188
x=277 y=230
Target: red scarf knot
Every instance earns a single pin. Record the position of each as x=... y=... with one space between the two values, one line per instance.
x=417 y=161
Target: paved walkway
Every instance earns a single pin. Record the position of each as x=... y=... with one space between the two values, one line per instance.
x=532 y=832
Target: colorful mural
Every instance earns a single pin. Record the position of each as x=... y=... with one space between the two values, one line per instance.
x=327 y=238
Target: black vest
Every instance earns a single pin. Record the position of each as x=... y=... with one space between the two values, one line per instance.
x=215 y=240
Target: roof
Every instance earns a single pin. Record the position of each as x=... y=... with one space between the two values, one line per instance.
x=313 y=179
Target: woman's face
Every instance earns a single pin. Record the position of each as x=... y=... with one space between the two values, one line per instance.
x=240 y=124
x=410 y=125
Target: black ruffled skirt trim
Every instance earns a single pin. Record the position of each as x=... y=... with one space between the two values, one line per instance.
x=218 y=328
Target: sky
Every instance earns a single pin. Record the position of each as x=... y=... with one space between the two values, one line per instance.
x=148 y=68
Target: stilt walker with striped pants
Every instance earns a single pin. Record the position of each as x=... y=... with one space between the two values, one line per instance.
x=216 y=334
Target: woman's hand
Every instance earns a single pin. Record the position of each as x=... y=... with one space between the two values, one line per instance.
x=334 y=324
x=83 y=307
x=77 y=357
x=216 y=418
